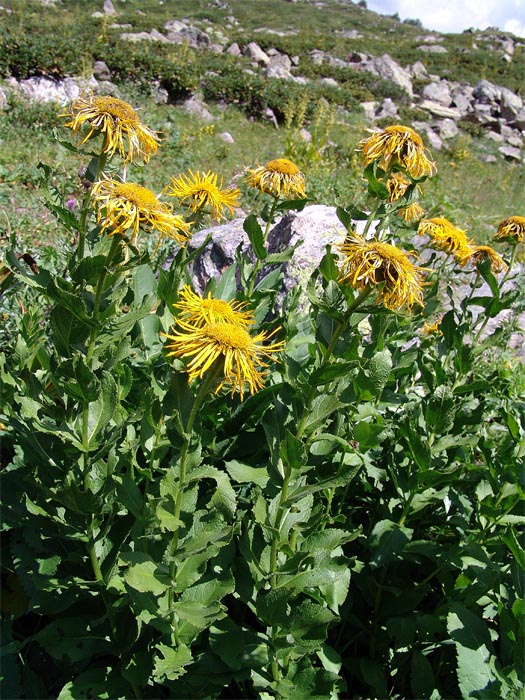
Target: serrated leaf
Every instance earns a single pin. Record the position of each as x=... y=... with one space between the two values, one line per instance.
x=100 y=683
x=89 y=269
x=245 y=474
x=386 y=541
x=255 y=234
x=101 y=411
x=143 y=573
x=171 y=663
x=474 y=651
x=68 y=332
x=378 y=370
x=322 y=407
x=422 y=681
x=224 y=498
x=440 y=411
x=130 y=495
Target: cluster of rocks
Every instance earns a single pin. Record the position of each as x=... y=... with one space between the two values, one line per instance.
x=309 y=232
x=448 y=104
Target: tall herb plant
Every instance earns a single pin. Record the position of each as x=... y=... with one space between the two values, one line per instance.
x=226 y=493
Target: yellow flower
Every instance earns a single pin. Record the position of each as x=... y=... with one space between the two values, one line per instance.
x=124 y=207
x=397 y=184
x=372 y=263
x=241 y=356
x=278 y=177
x=198 y=311
x=118 y=122
x=479 y=253
x=413 y=212
x=444 y=235
x=512 y=229
x=398 y=145
x=431 y=328
x=201 y=189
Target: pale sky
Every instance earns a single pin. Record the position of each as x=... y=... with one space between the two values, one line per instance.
x=453 y=16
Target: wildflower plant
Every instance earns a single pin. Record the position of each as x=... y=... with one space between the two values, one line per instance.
x=232 y=492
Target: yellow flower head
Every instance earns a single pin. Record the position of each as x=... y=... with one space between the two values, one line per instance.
x=429 y=328
x=399 y=145
x=512 y=229
x=278 y=177
x=118 y=122
x=241 y=356
x=124 y=207
x=397 y=184
x=413 y=212
x=200 y=189
x=198 y=311
x=479 y=253
x=444 y=235
x=371 y=263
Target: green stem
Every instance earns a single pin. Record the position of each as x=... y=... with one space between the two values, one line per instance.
x=257 y=265
x=204 y=389
x=328 y=354
x=115 y=242
x=102 y=159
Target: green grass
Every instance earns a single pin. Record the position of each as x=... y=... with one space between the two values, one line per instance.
x=66 y=38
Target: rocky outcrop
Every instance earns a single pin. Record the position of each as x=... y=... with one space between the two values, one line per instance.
x=309 y=232
x=448 y=104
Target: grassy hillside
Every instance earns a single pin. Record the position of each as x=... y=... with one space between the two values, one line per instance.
x=65 y=39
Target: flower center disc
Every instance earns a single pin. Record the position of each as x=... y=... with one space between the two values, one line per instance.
x=228 y=334
x=117 y=108
x=407 y=132
x=140 y=196
x=283 y=166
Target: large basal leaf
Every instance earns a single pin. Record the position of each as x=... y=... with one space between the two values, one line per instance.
x=474 y=651
x=100 y=683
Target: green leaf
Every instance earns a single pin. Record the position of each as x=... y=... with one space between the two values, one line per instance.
x=322 y=407
x=373 y=675
x=143 y=574
x=84 y=385
x=68 y=332
x=375 y=186
x=224 y=498
x=238 y=647
x=515 y=547
x=474 y=651
x=89 y=269
x=386 y=541
x=422 y=681
x=440 y=411
x=171 y=663
x=292 y=451
x=100 y=683
x=149 y=328
x=101 y=411
x=144 y=283
x=72 y=638
x=130 y=495
x=245 y=474
x=256 y=236
x=309 y=623
x=378 y=370
x=327 y=373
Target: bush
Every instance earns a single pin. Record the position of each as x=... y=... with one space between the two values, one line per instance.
x=259 y=493
x=23 y=56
